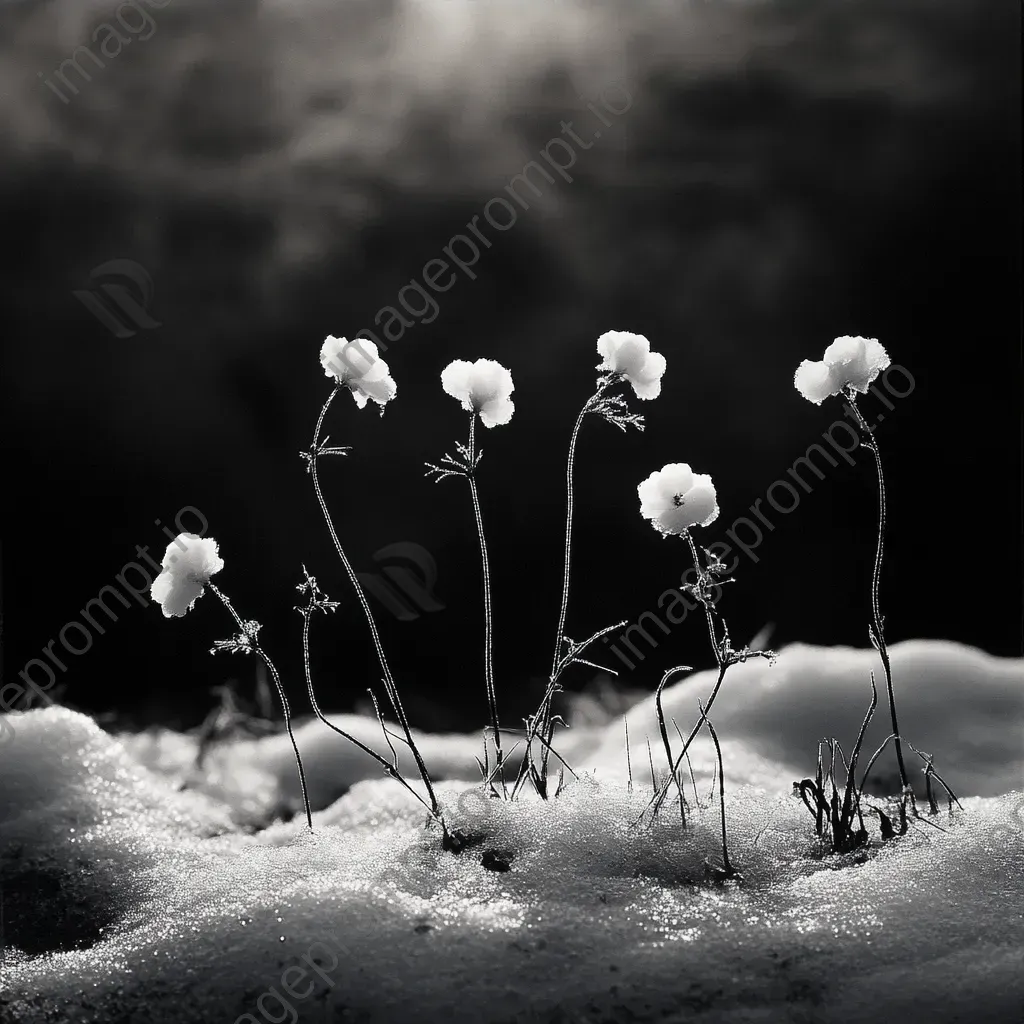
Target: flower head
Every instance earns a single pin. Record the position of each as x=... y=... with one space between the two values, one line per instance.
x=847 y=363
x=675 y=498
x=357 y=365
x=630 y=355
x=482 y=387
x=188 y=564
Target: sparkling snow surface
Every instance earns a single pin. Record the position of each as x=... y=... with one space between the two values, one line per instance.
x=128 y=898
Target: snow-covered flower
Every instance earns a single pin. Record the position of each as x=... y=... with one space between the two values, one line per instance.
x=630 y=355
x=357 y=366
x=483 y=387
x=675 y=498
x=847 y=363
x=188 y=564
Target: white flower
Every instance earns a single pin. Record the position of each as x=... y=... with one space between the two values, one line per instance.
x=847 y=363
x=631 y=356
x=675 y=498
x=483 y=387
x=188 y=564
x=357 y=365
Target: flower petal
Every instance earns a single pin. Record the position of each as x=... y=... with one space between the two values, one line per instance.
x=702 y=501
x=876 y=359
x=175 y=595
x=647 y=384
x=675 y=521
x=498 y=412
x=845 y=352
x=814 y=381
x=652 y=500
x=676 y=478
x=623 y=351
x=455 y=379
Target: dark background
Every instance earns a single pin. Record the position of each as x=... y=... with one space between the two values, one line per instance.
x=788 y=172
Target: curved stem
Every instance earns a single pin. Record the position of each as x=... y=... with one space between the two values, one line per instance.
x=389 y=683
x=664 y=735
x=547 y=728
x=657 y=800
x=388 y=767
x=264 y=657
x=871 y=441
x=492 y=702
x=721 y=792
x=569 y=502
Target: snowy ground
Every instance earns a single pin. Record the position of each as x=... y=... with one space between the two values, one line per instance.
x=127 y=897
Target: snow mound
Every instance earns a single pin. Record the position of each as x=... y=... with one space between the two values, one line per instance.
x=257 y=778
x=962 y=705
x=128 y=899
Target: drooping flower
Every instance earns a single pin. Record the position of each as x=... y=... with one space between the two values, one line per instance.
x=188 y=564
x=630 y=355
x=482 y=387
x=675 y=498
x=357 y=366
x=847 y=363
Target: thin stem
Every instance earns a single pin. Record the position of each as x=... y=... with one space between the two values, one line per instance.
x=492 y=702
x=389 y=683
x=569 y=505
x=851 y=781
x=570 y=467
x=664 y=736
x=721 y=792
x=388 y=767
x=264 y=657
x=629 y=765
x=871 y=441
x=545 y=712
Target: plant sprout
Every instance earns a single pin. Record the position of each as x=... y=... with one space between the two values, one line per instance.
x=626 y=358
x=188 y=565
x=676 y=500
x=848 y=368
x=484 y=389
x=356 y=366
